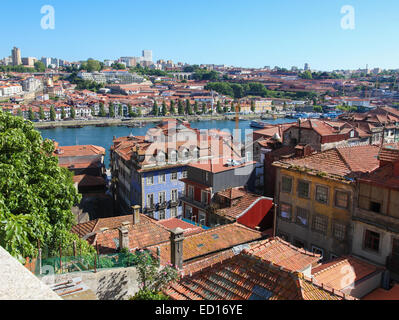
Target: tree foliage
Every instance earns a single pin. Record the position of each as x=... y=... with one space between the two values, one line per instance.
x=36 y=194
x=152 y=279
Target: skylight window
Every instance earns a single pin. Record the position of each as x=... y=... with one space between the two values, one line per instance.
x=259 y=293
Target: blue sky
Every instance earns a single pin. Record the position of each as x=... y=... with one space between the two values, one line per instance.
x=252 y=33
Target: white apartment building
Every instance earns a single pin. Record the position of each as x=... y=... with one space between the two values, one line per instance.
x=9 y=90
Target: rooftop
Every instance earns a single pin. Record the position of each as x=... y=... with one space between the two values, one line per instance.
x=247 y=277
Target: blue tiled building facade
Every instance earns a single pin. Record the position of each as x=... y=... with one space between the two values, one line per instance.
x=158 y=192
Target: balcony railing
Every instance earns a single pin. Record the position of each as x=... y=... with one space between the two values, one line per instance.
x=174 y=203
x=195 y=203
x=162 y=205
x=150 y=208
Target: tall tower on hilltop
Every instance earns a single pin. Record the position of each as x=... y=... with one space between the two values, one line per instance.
x=16 y=56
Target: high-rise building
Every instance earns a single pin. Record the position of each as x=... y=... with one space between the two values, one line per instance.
x=147 y=55
x=16 y=56
x=306 y=68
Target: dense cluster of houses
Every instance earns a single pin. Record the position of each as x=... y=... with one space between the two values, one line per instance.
x=324 y=225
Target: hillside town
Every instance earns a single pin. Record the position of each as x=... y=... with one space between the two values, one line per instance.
x=303 y=209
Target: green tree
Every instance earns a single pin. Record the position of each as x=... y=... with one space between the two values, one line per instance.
x=102 y=112
x=204 y=109
x=63 y=114
x=41 y=113
x=91 y=65
x=139 y=112
x=120 y=110
x=31 y=114
x=180 y=108
x=39 y=66
x=93 y=111
x=172 y=109
x=36 y=194
x=219 y=108
x=196 y=108
x=111 y=110
x=19 y=112
x=152 y=279
x=189 y=110
x=52 y=113
x=164 y=108
x=73 y=113
x=155 y=109
x=253 y=106
x=130 y=110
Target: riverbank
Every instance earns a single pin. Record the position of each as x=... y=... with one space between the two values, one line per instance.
x=134 y=121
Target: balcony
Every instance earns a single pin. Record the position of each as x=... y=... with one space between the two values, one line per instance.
x=195 y=203
x=162 y=205
x=150 y=208
x=174 y=203
x=377 y=219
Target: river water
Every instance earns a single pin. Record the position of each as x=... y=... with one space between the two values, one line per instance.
x=102 y=136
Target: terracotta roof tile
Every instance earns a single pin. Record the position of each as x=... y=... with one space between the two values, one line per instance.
x=338 y=272
x=246 y=277
x=211 y=241
x=284 y=254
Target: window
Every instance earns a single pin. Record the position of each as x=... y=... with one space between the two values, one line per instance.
x=190 y=192
x=303 y=189
x=248 y=155
x=284 y=236
x=186 y=154
x=342 y=199
x=161 y=157
x=322 y=194
x=174 y=195
x=286 y=184
x=372 y=240
x=320 y=223
x=162 y=197
x=162 y=178
x=285 y=211
x=302 y=216
x=184 y=174
x=375 y=206
x=150 y=200
x=173 y=212
x=189 y=213
x=204 y=197
x=318 y=250
x=150 y=180
x=161 y=214
x=174 y=176
x=299 y=243
x=202 y=218
x=173 y=156
x=207 y=176
x=339 y=231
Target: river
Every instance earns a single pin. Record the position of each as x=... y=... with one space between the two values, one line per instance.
x=102 y=136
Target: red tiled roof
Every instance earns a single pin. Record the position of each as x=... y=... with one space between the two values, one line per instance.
x=174 y=223
x=343 y=271
x=80 y=150
x=141 y=235
x=85 y=180
x=211 y=241
x=247 y=277
x=284 y=254
x=382 y=294
x=347 y=161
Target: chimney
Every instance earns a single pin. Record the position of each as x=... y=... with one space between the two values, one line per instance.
x=123 y=237
x=136 y=214
x=176 y=248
